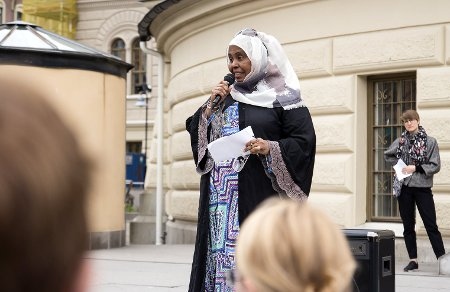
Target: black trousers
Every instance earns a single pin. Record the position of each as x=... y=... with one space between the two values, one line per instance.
x=423 y=198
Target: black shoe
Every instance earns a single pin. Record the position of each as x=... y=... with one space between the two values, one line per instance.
x=411 y=266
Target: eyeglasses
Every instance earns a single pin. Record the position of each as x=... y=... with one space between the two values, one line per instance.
x=232 y=277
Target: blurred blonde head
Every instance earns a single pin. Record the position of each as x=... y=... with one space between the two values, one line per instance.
x=288 y=246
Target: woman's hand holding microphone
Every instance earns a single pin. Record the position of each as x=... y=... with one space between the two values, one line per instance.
x=218 y=94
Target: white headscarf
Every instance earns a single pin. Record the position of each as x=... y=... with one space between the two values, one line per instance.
x=272 y=81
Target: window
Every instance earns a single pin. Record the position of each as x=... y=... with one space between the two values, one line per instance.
x=390 y=96
x=18 y=12
x=118 y=49
x=2 y=12
x=134 y=147
x=139 y=60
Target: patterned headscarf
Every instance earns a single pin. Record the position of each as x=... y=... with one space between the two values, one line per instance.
x=272 y=81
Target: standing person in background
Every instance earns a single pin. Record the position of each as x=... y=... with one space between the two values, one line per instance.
x=265 y=96
x=420 y=153
x=44 y=177
x=285 y=246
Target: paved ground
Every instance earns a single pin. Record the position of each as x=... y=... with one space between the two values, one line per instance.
x=138 y=268
x=166 y=268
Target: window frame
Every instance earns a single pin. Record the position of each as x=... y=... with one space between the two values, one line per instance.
x=18 y=9
x=118 y=51
x=371 y=80
x=2 y=14
x=139 y=69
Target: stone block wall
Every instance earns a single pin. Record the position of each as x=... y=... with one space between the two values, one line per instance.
x=334 y=46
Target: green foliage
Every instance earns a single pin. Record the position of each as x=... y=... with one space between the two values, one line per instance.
x=129 y=208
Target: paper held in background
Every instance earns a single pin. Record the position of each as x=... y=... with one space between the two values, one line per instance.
x=399 y=169
x=231 y=146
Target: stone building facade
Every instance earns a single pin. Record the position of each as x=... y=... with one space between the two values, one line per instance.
x=356 y=60
x=10 y=10
x=102 y=22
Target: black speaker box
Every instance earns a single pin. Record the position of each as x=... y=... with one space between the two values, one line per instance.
x=374 y=251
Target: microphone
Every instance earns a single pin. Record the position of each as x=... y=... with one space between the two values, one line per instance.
x=228 y=78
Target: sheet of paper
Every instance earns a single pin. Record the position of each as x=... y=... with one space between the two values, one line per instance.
x=398 y=169
x=231 y=146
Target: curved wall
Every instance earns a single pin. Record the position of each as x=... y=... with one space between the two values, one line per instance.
x=93 y=106
x=333 y=45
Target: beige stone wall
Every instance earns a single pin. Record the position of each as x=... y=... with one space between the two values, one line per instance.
x=100 y=22
x=433 y=101
x=333 y=45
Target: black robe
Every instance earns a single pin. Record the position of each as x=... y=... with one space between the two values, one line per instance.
x=292 y=129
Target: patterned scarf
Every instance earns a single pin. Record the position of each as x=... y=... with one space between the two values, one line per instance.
x=272 y=82
x=412 y=149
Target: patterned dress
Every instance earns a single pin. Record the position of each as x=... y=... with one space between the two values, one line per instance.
x=223 y=214
x=291 y=138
